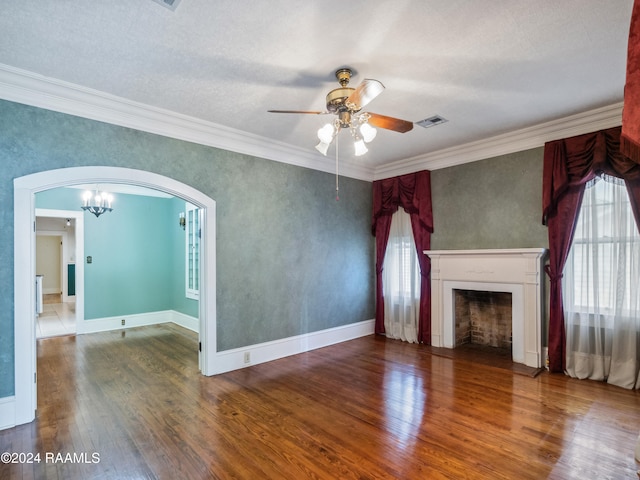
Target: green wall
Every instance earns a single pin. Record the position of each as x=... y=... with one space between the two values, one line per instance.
x=493 y=203
x=290 y=259
x=137 y=254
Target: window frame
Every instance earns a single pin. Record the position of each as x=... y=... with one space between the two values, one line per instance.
x=192 y=251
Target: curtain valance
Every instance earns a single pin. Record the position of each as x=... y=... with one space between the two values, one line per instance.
x=576 y=160
x=411 y=192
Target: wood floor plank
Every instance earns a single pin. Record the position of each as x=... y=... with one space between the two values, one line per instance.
x=364 y=409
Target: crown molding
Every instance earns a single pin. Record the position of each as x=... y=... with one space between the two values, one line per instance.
x=516 y=141
x=29 y=88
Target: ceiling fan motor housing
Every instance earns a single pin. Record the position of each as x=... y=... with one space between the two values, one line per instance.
x=336 y=99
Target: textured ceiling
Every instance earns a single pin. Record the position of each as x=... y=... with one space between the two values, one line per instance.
x=488 y=66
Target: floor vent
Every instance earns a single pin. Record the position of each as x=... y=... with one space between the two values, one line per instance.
x=170 y=4
x=432 y=121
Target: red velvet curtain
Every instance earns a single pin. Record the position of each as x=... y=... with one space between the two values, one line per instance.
x=413 y=193
x=630 y=140
x=568 y=165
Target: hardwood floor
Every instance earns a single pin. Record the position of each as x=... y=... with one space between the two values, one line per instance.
x=367 y=408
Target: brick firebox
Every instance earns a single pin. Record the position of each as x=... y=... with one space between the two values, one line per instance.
x=483 y=318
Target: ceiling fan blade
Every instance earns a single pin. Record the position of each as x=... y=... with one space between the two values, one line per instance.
x=390 y=123
x=365 y=92
x=311 y=112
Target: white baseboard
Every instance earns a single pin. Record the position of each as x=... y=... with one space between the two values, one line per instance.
x=229 y=360
x=234 y=359
x=185 y=321
x=138 y=320
x=115 y=323
x=7 y=412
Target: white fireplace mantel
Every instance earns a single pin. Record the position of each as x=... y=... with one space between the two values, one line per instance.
x=518 y=271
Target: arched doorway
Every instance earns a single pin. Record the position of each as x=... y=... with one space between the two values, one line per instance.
x=25 y=189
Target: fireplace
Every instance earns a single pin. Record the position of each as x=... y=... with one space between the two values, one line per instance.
x=517 y=272
x=483 y=318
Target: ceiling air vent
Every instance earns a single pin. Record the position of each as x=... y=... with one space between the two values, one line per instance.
x=170 y=4
x=432 y=121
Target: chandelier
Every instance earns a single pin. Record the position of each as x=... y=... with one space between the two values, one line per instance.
x=97 y=202
x=361 y=132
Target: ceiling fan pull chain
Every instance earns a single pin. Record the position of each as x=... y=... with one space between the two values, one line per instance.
x=337 y=189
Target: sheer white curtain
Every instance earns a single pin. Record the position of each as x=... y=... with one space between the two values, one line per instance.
x=601 y=285
x=401 y=281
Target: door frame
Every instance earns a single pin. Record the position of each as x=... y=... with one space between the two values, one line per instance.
x=24 y=192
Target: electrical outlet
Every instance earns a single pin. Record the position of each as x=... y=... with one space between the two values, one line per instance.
x=123 y=322
x=247 y=357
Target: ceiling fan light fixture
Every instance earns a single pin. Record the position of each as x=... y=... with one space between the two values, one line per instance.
x=359 y=147
x=326 y=133
x=322 y=147
x=368 y=132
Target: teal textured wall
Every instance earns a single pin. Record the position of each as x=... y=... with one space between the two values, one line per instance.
x=493 y=203
x=290 y=259
x=131 y=266
x=131 y=249
x=138 y=254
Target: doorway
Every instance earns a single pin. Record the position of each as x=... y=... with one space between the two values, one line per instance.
x=60 y=315
x=25 y=189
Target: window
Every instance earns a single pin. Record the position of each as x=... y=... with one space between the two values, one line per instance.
x=192 y=251
x=602 y=265
x=600 y=288
x=401 y=281
x=402 y=262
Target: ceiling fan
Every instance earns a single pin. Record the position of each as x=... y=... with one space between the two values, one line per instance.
x=347 y=102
